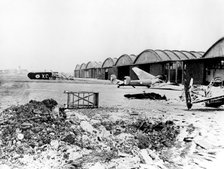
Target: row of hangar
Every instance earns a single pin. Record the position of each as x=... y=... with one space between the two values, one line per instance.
x=174 y=65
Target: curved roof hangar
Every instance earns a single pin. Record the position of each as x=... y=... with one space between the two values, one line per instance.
x=125 y=60
x=77 y=67
x=154 y=56
x=216 y=50
x=92 y=65
x=83 y=66
x=109 y=62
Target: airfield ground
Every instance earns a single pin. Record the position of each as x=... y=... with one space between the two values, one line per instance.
x=201 y=147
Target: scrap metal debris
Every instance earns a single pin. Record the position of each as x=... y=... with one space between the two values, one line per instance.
x=36 y=135
x=152 y=96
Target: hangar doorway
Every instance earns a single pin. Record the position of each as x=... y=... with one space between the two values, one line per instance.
x=156 y=69
x=179 y=71
x=174 y=72
x=214 y=68
x=145 y=67
x=106 y=74
x=123 y=71
x=170 y=72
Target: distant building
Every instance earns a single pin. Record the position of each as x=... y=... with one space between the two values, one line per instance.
x=82 y=71
x=108 y=68
x=123 y=65
x=77 y=71
x=93 y=69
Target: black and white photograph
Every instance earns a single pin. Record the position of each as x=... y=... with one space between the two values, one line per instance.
x=111 y=84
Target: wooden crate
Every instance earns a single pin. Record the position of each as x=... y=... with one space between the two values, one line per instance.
x=83 y=99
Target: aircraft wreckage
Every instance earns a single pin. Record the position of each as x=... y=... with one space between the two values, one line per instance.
x=212 y=95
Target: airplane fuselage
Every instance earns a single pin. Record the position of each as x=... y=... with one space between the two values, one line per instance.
x=133 y=83
x=140 y=83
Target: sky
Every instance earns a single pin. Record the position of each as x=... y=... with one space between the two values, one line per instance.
x=45 y=35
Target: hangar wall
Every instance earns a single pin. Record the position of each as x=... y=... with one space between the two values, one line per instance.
x=214 y=68
x=112 y=70
x=77 y=71
x=108 y=68
x=195 y=69
x=82 y=70
x=156 y=69
x=214 y=61
x=107 y=72
x=165 y=62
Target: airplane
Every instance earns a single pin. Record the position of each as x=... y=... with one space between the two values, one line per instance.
x=213 y=95
x=145 y=79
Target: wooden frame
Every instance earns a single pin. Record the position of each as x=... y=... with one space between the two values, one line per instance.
x=84 y=99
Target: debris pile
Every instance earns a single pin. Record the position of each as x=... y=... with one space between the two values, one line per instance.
x=31 y=125
x=37 y=135
x=152 y=96
x=158 y=134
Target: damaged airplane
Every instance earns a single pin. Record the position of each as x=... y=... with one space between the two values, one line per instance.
x=145 y=79
x=212 y=95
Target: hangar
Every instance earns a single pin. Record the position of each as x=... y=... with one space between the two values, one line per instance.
x=209 y=66
x=123 y=64
x=214 y=61
x=165 y=62
x=93 y=69
x=77 y=71
x=82 y=70
x=174 y=64
x=108 y=68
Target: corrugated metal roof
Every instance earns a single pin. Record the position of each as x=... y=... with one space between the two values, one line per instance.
x=216 y=50
x=93 y=64
x=180 y=54
x=153 y=56
x=99 y=64
x=147 y=56
x=163 y=56
x=133 y=57
x=115 y=60
x=189 y=55
x=172 y=55
x=77 y=67
x=90 y=64
x=197 y=54
x=83 y=66
x=125 y=59
x=109 y=62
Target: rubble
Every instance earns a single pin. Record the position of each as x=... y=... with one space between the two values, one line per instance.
x=86 y=126
x=34 y=136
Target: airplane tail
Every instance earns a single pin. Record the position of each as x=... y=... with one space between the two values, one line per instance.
x=143 y=74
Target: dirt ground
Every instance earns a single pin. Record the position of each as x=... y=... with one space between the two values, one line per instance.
x=208 y=121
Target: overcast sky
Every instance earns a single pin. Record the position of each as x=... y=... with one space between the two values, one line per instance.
x=56 y=35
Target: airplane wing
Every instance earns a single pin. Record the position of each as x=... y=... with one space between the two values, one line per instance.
x=142 y=75
x=164 y=86
x=208 y=99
